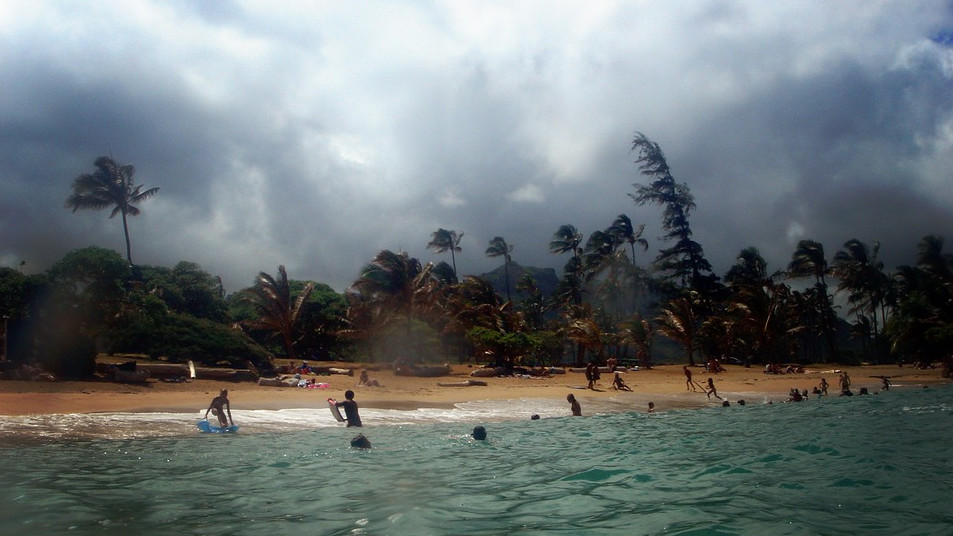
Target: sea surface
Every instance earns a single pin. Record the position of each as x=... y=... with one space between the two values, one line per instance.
x=862 y=465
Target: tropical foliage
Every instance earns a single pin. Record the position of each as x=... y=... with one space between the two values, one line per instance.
x=604 y=303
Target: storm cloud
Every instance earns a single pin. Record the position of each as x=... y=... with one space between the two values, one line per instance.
x=315 y=134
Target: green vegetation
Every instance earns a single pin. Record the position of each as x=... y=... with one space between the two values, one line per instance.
x=605 y=303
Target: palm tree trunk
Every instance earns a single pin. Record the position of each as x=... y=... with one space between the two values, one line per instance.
x=125 y=230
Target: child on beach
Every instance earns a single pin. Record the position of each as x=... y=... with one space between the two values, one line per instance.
x=711 y=390
x=689 y=384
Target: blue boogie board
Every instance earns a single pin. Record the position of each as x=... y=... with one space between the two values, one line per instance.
x=205 y=426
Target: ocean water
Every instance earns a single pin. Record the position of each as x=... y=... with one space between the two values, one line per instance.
x=876 y=464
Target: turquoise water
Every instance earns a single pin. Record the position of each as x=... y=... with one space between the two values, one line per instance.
x=878 y=464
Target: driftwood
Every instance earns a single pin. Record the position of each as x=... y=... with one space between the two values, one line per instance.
x=467 y=383
x=423 y=371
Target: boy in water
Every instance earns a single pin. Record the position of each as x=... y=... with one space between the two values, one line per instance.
x=350 y=409
x=220 y=405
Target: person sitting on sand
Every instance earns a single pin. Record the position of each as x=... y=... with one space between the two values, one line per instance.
x=350 y=409
x=574 y=405
x=365 y=380
x=619 y=383
x=219 y=406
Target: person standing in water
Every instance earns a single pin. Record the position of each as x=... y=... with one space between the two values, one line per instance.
x=350 y=409
x=221 y=405
x=574 y=405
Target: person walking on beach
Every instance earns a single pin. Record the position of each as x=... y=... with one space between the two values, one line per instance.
x=689 y=384
x=711 y=390
x=824 y=386
x=350 y=409
x=220 y=405
x=574 y=405
x=592 y=374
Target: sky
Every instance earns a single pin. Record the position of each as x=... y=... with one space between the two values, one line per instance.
x=315 y=134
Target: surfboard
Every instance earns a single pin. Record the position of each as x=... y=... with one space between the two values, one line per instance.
x=334 y=410
x=207 y=427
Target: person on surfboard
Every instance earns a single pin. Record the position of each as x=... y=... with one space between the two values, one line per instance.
x=350 y=409
x=220 y=405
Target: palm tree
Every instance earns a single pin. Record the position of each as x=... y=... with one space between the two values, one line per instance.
x=679 y=321
x=566 y=238
x=808 y=261
x=862 y=276
x=111 y=185
x=499 y=248
x=277 y=310
x=623 y=231
x=443 y=241
x=398 y=283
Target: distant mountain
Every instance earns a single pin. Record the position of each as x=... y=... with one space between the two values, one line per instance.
x=546 y=280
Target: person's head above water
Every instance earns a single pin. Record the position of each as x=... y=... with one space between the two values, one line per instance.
x=479 y=432
x=360 y=442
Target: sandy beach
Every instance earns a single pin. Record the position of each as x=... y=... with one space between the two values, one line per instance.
x=664 y=384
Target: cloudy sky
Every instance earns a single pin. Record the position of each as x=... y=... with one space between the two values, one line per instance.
x=315 y=134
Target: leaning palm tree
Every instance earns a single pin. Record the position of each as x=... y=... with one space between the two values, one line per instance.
x=277 y=310
x=443 y=241
x=111 y=185
x=499 y=248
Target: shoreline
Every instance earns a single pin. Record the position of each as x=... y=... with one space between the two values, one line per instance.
x=663 y=384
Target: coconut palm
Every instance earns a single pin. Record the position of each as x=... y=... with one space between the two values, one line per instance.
x=443 y=241
x=679 y=321
x=278 y=311
x=862 y=276
x=808 y=261
x=566 y=238
x=111 y=185
x=623 y=231
x=399 y=284
x=499 y=248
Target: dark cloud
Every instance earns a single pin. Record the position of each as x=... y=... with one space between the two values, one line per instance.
x=316 y=136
